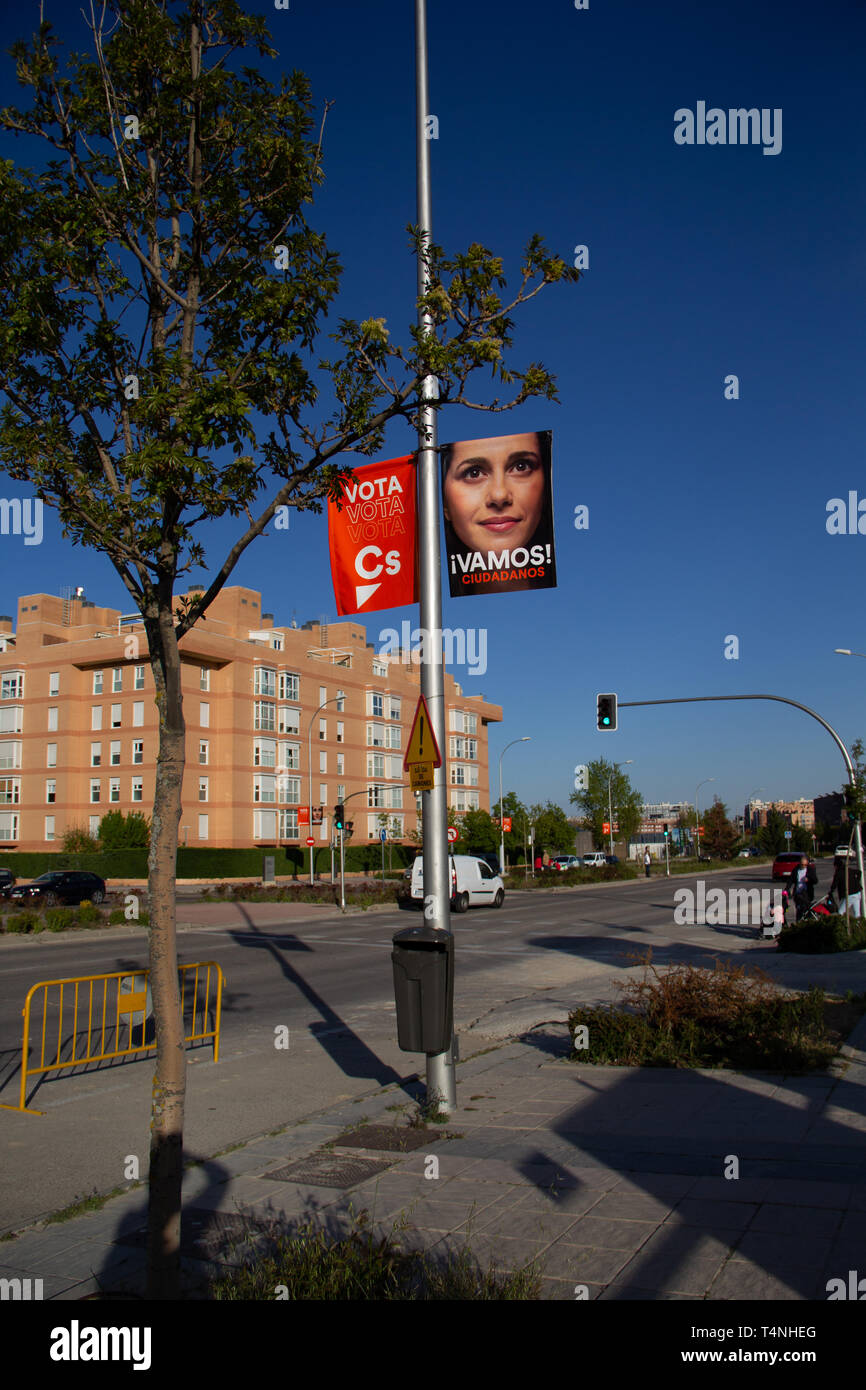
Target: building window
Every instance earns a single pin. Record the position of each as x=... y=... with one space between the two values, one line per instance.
x=376 y=735
x=204 y=678
x=138 y=683
x=341 y=702
x=264 y=825
x=392 y=735
x=138 y=750
x=10 y=754
x=138 y=788
x=265 y=752
x=54 y=683
x=50 y=791
x=290 y=720
x=323 y=762
x=95 y=793
x=51 y=755
x=394 y=709
x=52 y=720
x=323 y=729
x=264 y=788
x=8 y=825
x=341 y=791
x=265 y=681
x=11 y=686
x=375 y=765
x=203 y=751
x=375 y=705
x=323 y=694
x=290 y=756
x=290 y=790
x=204 y=715
x=264 y=715
x=11 y=719
x=49 y=827
x=202 y=827
x=323 y=794
x=94 y=825
x=202 y=789
x=340 y=731
x=96 y=755
x=290 y=686
x=114 y=756
x=114 y=789
x=116 y=716
x=288 y=825
x=10 y=791
x=341 y=764
x=96 y=716
x=117 y=679
x=97 y=682
x=380 y=668
x=138 y=714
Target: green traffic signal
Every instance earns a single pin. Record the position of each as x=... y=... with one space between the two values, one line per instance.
x=606 y=712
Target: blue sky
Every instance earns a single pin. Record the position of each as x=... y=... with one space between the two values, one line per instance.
x=707 y=516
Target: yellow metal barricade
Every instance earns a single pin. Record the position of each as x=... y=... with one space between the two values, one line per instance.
x=96 y=1010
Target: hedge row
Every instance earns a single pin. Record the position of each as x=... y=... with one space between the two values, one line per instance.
x=823 y=937
x=208 y=863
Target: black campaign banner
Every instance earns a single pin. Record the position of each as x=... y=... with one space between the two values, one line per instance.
x=497 y=499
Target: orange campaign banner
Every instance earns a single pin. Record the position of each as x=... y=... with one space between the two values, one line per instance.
x=372 y=538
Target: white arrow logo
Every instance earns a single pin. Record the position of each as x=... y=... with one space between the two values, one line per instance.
x=363 y=592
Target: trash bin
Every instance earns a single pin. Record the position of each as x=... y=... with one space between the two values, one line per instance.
x=423 y=960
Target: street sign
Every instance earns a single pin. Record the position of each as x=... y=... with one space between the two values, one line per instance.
x=421 y=777
x=506 y=823
x=383 y=835
x=605 y=828
x=452 y=834
x=422 y=747
x=310 y=841
x=787 y=834
x=303 y=815
x=581 y=777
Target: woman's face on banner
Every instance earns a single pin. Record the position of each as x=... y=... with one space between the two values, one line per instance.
x=494 y=491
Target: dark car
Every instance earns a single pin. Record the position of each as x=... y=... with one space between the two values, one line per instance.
x=785 y=862
x=61 y=886
x=7 y=882
x=612 y=859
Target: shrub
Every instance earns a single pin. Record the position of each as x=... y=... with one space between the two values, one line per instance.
x=77 y=839
x=59 y=918
x=23 y=921
x=88 y=912
x=119 y=831
x=825 y=936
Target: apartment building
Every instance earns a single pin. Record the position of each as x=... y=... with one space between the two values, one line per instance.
x=282 y=723
x=799 y=812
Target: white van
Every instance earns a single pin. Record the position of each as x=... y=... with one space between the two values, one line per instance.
x=473 y=883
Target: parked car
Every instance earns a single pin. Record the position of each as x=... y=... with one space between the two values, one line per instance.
x=7 y=882
x=844 y=852
x=749 y=853
x=61 y=886
x=612 y=859
x=596 y=860
x=562 y=862
x=785 y=862
x=473 y=883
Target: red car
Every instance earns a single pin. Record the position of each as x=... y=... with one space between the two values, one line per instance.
x=784 y=863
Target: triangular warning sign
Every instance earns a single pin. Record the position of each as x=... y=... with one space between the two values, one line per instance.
x=422 y=747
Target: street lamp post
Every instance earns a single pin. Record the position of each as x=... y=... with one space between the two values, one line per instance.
x=525 y=739
x=749 y=804
x=609 y=806
x=334 y=700
x=698 y=819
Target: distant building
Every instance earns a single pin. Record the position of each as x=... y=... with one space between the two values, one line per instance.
x=800 y=812
x=79 y=726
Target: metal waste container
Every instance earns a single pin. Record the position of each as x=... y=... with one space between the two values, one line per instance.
x=423 y=959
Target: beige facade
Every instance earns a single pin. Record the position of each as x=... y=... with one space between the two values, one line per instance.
x=801 y=812
x=78 y=726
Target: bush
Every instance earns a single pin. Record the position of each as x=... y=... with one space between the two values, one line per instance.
x=823 y=937
x=59 y=918
x=313 y=1264
x=88 y=912
x=23 y=921
x=119 y=831
x=695 y=1017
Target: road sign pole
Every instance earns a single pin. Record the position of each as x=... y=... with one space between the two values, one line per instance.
x=342 y=834
x=441 y=1085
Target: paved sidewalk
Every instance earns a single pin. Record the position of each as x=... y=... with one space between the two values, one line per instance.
x=613 y=1179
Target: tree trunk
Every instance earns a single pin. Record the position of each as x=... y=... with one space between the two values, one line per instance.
x=169 y=1082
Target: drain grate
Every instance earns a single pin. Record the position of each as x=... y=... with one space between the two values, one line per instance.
x=387 y=1137
x=329 y=1170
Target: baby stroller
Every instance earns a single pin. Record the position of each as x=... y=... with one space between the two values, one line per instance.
x=823 y=908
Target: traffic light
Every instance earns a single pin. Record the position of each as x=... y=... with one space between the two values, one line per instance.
x=606 y=712
x=339 y=816
x=851 y=801
x=665 y=828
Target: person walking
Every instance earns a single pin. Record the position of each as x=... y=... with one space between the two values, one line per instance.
x=801 y=884
x=837 y=887
x=539 y=862
x=647 y=860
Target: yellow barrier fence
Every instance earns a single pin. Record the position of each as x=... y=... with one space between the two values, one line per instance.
x=96 y=1008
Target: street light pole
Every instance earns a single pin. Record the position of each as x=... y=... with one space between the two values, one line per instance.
x=525 y=739
x=845 y=651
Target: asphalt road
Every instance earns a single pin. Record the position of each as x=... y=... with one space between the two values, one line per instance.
x=327 y=979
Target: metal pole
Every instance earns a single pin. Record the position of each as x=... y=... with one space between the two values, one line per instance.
x=383 y=860
x=667 y=857
x=501 y=819
x=441 y=1083
x=342 y=874
x=609 y=815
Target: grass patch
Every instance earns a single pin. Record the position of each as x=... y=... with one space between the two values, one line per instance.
x=312 y=1263
x=95 y=1202
x=691 y=1016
